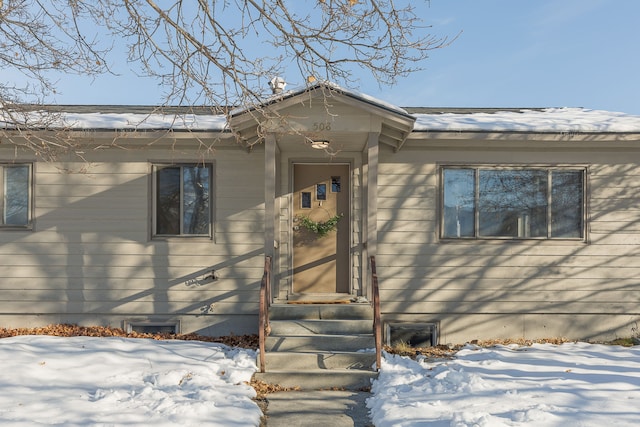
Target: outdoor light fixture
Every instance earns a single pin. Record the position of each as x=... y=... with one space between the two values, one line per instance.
x=320 y=145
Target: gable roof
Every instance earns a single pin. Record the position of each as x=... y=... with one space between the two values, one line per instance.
x=332 y=87
x=395 y=122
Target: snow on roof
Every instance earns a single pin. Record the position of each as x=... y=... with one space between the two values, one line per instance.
x=549 y=120
x=556 y=120
x=141 y=121
x=112 y=118
x=370 y=99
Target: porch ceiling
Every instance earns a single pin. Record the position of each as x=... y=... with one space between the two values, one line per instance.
x=339 y=141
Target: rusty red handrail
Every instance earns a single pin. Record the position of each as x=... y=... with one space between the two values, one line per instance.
x=265 y=300
x=377 y=325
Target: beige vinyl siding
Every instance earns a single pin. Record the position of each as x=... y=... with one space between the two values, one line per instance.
x=482 y=289
x=90 y=257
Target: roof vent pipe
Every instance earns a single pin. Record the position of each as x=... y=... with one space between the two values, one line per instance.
x=277 y=85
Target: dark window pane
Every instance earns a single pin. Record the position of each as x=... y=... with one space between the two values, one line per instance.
x=321 y=192
x=566 y=204
x=459 y=194
x=195 y=200
x=168 y=201
x=512 y=203
x=306 y=199
x=16 y=195
x=335 y=184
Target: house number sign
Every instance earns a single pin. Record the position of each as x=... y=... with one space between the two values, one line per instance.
x=320 y=126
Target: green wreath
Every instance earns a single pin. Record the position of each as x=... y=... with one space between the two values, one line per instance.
x=320 y=228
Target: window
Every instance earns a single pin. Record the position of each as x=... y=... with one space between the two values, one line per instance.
x=16 y=195
x=182 y=200
x=321 y=191
x=336 y=186
x=306 y=200
x=516 y=203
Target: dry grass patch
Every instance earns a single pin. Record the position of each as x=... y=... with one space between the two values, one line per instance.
x=67 y=330
x=449 y=351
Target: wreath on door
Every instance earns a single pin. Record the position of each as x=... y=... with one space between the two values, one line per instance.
x=321 y=228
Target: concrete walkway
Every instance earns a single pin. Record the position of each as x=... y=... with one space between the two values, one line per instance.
x=318 y=408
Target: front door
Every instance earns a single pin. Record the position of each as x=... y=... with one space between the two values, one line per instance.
x=321 y=252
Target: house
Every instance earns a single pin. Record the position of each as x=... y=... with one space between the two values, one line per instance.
x=484 y=223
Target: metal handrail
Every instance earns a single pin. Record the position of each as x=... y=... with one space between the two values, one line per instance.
x=377 y=325
x=264 y=328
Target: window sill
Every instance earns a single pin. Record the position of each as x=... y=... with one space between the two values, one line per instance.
x=16 y=228
x=499 y=240
x=182 y=238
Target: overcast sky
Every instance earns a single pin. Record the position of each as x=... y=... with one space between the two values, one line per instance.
x=509 y=53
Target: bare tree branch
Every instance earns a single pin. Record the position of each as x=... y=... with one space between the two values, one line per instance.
x=220 y=53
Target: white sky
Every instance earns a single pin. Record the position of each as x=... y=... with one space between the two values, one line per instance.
x=543 y=53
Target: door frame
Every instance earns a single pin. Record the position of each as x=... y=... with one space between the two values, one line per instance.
x=337 y=162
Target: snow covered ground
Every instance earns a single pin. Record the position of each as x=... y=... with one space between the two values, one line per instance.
x=89 y=381
x=543 y=386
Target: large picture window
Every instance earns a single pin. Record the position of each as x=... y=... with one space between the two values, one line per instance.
x=16 y=195
x=182 y=200
x=516 y=203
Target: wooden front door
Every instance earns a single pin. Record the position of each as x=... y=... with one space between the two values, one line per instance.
x=320 y=262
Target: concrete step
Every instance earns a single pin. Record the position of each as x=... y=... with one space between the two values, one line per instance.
x=321 y=379
x=317 y=346
x=320 y=311
x=319 y=342
x=327 y=360
x=317 y=326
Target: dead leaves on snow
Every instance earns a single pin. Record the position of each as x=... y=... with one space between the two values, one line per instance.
x=67 y=330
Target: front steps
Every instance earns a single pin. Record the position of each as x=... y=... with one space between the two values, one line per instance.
x=319 y=346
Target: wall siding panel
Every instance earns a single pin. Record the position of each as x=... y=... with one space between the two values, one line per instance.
x=90 y=256
x=90 y=253
x=425 y=279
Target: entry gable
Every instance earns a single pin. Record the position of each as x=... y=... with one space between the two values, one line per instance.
x=320 y=109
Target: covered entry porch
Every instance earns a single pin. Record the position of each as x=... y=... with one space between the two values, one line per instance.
x=319 y=303
x=321 y=166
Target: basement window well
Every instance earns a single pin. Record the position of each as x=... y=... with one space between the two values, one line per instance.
x=153 y=327
x=412 y=334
